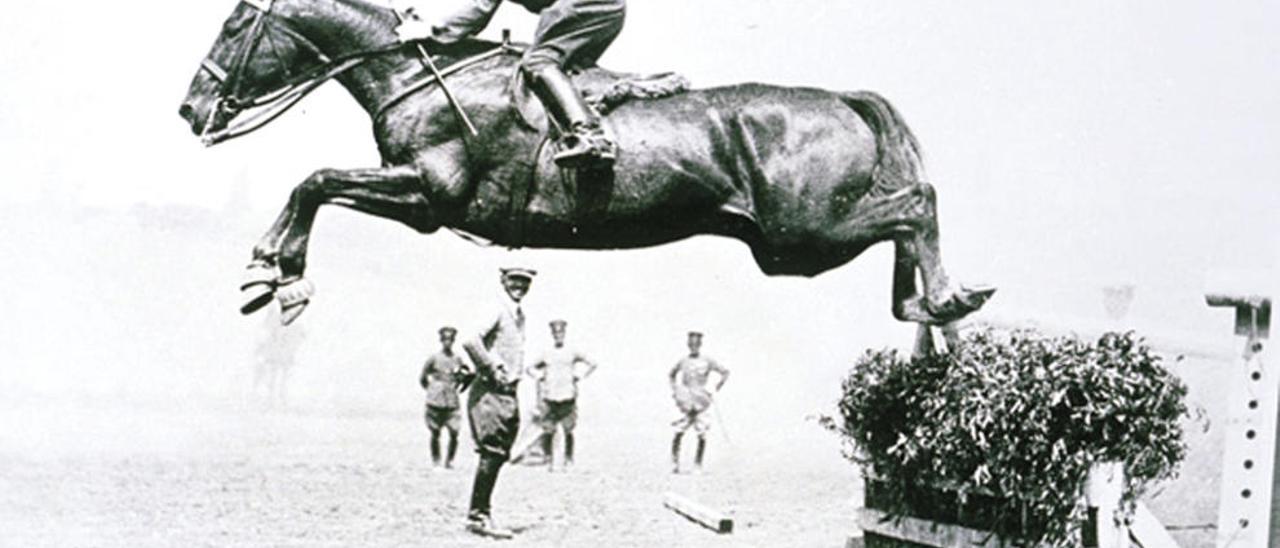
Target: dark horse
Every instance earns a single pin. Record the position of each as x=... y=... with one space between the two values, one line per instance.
x=807 y=178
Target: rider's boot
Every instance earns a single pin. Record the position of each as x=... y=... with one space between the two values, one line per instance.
x=582 y=143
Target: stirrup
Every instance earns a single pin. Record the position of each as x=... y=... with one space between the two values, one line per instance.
x=585 y=146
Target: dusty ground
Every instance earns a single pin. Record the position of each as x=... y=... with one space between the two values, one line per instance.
x=128 y=415
x=117 y=473
x=103 y=474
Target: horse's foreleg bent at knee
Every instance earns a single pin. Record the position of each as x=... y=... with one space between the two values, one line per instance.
x=394 y=193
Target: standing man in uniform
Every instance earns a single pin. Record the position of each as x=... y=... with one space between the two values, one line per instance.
x=441 y=377
x=689 y=388
x=557 y=374
x=497 y=350
x=571 y=35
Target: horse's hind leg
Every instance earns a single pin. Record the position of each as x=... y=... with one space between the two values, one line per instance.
x=919 y=250
x=909 y=218
x=395 y=193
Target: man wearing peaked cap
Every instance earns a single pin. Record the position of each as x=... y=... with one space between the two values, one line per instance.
x=689 y=388
x=558 y=375
x=497 y=350
x=442 y=377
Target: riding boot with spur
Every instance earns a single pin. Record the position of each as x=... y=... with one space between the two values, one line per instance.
x=582 y=143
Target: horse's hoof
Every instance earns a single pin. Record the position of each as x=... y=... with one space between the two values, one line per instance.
x=976 y=296
x=294 y=297
x=962 y=302
x=291 y=312
x=257 y=286
x=256 y=296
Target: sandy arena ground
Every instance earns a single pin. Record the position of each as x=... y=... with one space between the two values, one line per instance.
x=101 y=474
x=129 y=416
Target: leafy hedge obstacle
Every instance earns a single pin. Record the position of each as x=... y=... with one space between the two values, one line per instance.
x=1000 y=434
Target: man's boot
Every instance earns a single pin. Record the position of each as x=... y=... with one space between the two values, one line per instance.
x=675 y=453
x=453 y=449
x=697 y=457
x=547 y=450
x=478 y=519
x=582 y=142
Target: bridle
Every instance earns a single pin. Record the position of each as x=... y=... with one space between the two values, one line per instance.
x=230 y=98
x=275 y=102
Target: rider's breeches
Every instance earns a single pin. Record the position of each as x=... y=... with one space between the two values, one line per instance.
x=573 y=34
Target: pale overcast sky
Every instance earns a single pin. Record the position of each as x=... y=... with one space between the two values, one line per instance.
x=1094 y=141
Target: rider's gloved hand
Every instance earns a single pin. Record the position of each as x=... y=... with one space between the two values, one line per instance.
x=414 y=29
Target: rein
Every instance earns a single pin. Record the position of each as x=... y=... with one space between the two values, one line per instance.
x=433 y=78
x=277 y=101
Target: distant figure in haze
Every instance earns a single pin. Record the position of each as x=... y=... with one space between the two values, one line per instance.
x=497 y=351
x=274 y=356
x=557 y=374
x=443 y=376
x=689 y=388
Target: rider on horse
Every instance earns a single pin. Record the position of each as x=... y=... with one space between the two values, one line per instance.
x=571 y=34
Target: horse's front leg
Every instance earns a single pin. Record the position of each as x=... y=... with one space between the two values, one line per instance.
x=261 y=276
x=395 y=193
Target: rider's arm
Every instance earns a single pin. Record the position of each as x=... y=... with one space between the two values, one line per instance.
x=466 y=21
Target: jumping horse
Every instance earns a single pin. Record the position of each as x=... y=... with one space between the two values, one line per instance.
x=808 y=178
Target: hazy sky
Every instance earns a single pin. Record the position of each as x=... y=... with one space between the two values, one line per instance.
x=1083 y=142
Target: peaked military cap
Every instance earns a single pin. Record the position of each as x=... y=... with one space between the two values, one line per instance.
x=519 y=272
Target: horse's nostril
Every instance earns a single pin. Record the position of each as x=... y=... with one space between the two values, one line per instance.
x=185 y=111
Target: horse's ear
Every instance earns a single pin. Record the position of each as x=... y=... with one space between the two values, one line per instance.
x=532 y=114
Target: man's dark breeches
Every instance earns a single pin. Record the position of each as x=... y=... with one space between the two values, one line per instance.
x=574 y=33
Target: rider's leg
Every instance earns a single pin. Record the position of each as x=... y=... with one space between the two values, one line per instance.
x=573 y=34
x=582 y=141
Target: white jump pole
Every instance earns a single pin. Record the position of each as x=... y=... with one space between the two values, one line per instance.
x=1249 y=470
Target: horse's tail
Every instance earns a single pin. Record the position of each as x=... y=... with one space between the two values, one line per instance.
x=898 y=162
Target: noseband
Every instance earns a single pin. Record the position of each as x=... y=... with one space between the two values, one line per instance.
x=231 y=99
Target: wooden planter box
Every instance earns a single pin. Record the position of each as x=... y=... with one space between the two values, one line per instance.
x=938 y=517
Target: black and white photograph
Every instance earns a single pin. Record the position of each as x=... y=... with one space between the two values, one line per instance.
x=580 y=273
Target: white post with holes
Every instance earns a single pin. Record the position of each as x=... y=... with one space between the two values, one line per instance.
x=1249 y=452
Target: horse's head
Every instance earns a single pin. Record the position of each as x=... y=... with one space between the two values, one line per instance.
x=257 y=52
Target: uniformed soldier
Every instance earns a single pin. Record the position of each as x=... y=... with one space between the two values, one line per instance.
x=689 y=388
x=558 y=376
x=571 y=34
x=442 y=377
x=497 y=351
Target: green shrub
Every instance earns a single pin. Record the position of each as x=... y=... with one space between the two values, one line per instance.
x=1016 y=415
